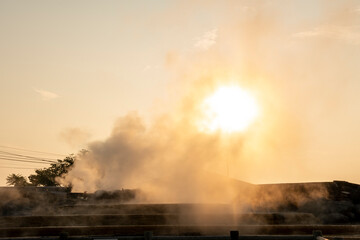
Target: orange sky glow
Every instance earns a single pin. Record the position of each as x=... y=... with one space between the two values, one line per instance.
x=261 y=91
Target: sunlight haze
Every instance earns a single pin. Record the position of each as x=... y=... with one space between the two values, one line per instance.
x=78 y=74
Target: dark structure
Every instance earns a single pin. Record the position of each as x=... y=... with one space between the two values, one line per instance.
x=334 y=202
x=294 y=208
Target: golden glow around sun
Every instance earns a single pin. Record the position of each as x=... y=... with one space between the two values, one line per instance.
x=229 y=109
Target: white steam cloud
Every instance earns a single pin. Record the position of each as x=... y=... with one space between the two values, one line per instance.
x=167 y=163
x=305 y=94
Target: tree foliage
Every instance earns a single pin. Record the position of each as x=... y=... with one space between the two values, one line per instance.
x=16 y=180
x=44 y=177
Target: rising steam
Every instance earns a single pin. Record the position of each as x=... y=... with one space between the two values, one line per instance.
x=171 y=160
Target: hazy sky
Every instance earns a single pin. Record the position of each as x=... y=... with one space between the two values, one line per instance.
x=69 y=69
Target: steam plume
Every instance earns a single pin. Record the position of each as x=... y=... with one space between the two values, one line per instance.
x=299 y=83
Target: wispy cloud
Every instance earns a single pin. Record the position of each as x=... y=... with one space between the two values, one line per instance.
x=207 y=40
x=349 y=34
x=46 y=95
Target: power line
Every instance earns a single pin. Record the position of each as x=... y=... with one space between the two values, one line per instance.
x=27 y=156
x=17 y=167
x=27 y=161
x=21 y=164
x=23 y=158
x=22 y=149
x=31 y=157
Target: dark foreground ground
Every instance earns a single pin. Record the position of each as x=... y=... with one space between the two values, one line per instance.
x=298 y=209
x=166 y=219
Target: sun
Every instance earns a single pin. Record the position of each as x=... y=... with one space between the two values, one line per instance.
x=229 y=109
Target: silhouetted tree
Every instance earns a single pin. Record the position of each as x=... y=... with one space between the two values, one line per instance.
x=16 y=180
x=45 y=176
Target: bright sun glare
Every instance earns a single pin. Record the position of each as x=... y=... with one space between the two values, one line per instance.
x=229 y=109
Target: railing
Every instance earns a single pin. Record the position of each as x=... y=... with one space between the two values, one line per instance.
x=234 y=235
